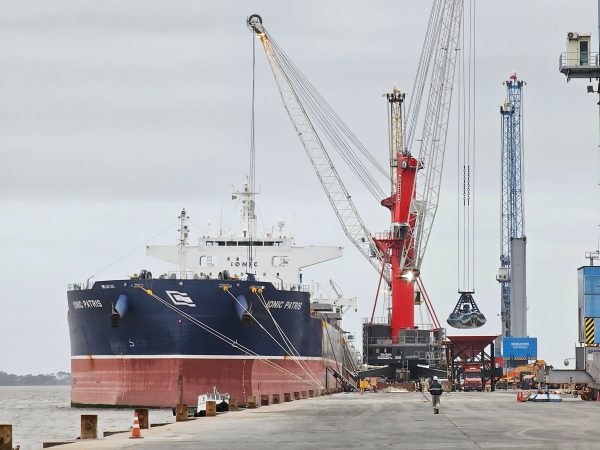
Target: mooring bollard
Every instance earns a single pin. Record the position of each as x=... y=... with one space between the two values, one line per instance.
x=251 y=402
x=275 y=399
x=6 y=437
x=233 y=406
x=296 y=395
x=181 y=412
x=264 y=400
x=211 y=408
x=287 y=397
x=143 y=418
x=89 y=426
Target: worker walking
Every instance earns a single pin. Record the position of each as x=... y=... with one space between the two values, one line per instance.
x=435 y=389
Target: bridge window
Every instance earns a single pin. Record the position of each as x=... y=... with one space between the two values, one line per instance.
x=207 y=261
x=279 y=261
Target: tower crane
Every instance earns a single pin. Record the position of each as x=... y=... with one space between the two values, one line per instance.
x=396 y=254
x=511 y=274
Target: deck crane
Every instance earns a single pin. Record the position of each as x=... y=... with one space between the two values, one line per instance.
x=511 y=273
x=415 y=181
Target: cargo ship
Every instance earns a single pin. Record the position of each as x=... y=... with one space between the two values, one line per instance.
x=235 y=316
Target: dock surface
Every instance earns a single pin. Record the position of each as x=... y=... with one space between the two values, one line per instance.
x=382 y=420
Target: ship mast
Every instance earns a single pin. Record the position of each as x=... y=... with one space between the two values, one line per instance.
x=183 y=240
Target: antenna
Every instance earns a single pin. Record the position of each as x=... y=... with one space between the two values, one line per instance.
x=184 y=231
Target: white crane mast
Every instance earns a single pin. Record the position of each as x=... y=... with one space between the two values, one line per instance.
x=435 y=126
x=335 y=190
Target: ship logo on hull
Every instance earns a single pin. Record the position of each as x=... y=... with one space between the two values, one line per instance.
x=180 y=298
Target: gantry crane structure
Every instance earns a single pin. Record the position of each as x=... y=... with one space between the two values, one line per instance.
x=397 y=253
x=511 y=275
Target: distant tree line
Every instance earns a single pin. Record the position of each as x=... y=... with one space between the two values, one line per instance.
x=53 y=379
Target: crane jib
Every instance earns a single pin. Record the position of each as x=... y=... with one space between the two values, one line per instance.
x=414 y=192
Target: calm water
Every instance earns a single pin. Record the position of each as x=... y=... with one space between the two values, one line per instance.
x=43 y=413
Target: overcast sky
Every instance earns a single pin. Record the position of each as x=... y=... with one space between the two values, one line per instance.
x=114 y=115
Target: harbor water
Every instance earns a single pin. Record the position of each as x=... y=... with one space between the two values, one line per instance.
x=43 y=413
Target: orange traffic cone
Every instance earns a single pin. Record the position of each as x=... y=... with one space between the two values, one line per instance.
x=135 y=431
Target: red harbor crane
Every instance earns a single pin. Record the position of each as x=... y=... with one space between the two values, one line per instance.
x=397 y=253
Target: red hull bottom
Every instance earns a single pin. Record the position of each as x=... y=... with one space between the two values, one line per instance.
x=164 y=382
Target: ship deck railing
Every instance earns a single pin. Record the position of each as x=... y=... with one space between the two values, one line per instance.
x=183 y=275
x=79 y=286
x=191 y=275
x=292 y=287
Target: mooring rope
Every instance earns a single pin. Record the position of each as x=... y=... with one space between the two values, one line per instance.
x=219 y=335
x=313 y=379
x=292 y=349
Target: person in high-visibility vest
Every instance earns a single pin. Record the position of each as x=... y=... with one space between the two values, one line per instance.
x=363 y=384
x=435 y=389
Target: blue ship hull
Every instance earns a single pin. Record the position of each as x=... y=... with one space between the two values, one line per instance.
x=158 y=342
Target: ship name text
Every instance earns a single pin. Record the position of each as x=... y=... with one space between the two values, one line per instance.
x=280 y=304
x=81 y=304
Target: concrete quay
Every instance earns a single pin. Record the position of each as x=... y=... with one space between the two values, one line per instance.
x=475 y=420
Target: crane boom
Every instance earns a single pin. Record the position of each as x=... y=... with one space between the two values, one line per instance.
x=415 y=182
x=435 y=130
x=334 y=188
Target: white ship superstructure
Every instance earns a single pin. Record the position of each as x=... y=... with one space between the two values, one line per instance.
x=273 y=257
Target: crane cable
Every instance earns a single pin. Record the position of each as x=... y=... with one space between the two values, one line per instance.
x=466 y=158
x=311 y=376
x=341 y=138
x=427 y=52
x=292 y=349
x=218 y=334
x=252 y=175
x=130 y=252
x=286 y=340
